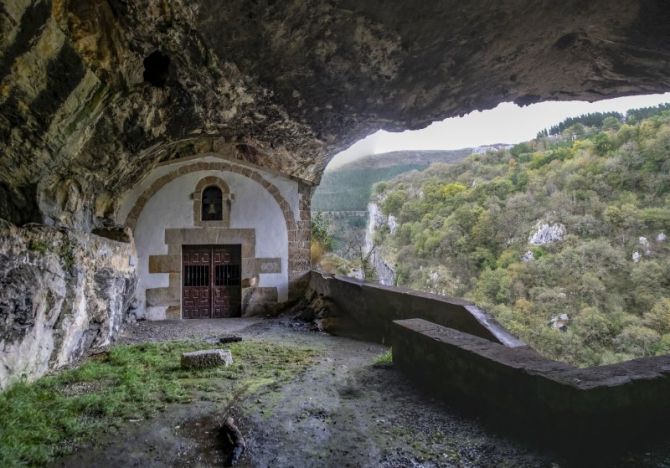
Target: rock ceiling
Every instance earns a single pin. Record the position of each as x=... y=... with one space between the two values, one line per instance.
x=94 y=93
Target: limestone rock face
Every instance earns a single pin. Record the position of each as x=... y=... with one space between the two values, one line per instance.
x=94 y=93
x=376 y=220
x=61 y=294
x=546 y=234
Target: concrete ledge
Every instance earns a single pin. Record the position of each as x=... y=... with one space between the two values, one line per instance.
x=520 y=389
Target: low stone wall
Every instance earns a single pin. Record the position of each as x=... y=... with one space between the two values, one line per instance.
x=61 y=294
x=520 y=389
x=366 y=310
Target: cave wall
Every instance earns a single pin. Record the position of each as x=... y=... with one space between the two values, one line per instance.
x=62 y=292
x=95 y=94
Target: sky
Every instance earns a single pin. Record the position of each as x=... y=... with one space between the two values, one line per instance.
x=507 y=123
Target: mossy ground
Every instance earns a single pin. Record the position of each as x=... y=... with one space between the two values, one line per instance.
x=50 y=417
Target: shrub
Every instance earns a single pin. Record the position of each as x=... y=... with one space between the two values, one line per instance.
x=658 y=318
x=638 y=341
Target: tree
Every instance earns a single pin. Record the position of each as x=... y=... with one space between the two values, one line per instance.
x=611 y=123
x=594 y=327
x=393 y=202
x=320 y=232
x=658 y=318
x=602 y=144
x=624 y=218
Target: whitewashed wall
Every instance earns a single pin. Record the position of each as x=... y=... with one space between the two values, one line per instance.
x=172 y=207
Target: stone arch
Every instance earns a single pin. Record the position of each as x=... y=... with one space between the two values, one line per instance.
x=149 y=192
x=211 y=181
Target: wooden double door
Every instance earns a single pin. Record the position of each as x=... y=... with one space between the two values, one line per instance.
x=211 y=281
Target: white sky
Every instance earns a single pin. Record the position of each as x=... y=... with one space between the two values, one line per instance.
x=507 y=123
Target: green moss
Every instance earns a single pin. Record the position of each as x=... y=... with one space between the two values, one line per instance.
x=38 y=246
x=52 y=416
x=67 y=254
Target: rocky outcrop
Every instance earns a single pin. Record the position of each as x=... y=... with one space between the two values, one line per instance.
x=376 y=220
x=320 y=312
x=546 y=234
x=61 y=294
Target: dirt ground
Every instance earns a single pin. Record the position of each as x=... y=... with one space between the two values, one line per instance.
x=343 y=411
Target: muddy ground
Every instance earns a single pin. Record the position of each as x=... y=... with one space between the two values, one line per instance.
x=343 y=411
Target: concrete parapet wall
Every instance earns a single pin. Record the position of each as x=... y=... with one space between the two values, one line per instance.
x=367 y=310
x=520 y=389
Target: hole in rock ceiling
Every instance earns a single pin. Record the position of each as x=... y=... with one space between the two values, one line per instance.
x=156 y=69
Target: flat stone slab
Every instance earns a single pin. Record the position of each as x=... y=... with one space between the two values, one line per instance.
x=206 y=358
x=224 y=339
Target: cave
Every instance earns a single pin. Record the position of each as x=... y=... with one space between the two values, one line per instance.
x=132 y=133
x=156 y=69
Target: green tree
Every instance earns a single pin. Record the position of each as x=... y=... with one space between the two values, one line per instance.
x=658 y=318
x=603 y=144
x=594 y=328
x=321 y=231
x=393 y=202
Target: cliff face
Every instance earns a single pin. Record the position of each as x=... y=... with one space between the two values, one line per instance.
x=61 y=293
x=96 y=92
x=376 y=220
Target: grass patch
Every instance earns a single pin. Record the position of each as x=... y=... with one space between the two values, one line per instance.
x=51 y=416
x=384 y=359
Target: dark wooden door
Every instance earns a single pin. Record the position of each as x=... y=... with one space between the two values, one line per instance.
x=196 y=268
x=226 y=289
x=211 y=281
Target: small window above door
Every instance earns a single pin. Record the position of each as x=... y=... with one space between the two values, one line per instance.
x=212 y=204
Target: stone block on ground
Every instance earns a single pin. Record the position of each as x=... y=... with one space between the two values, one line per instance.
x=230 y=339
x=206 y=358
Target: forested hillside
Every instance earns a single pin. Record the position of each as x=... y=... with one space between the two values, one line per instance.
x=347 y=188
x=563 y=239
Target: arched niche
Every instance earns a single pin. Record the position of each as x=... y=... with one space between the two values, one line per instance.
x=211 y=202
